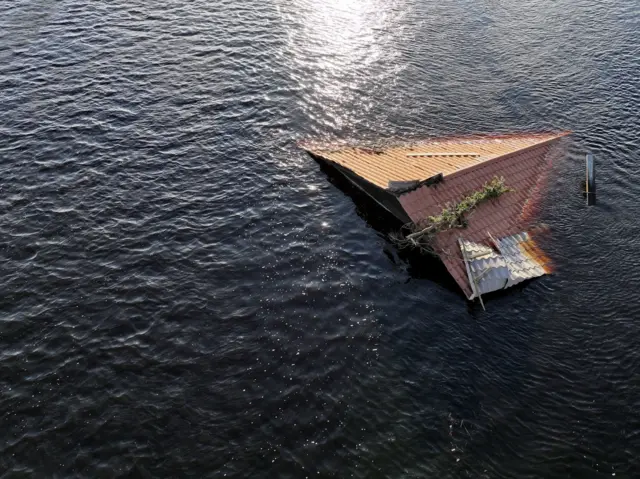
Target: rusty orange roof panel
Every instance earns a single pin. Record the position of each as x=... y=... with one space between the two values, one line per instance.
x=413 y=162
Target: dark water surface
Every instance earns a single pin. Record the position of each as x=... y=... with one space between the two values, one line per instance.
x=184 y=293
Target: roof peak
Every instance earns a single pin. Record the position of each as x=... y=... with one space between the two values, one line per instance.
x=311 y=144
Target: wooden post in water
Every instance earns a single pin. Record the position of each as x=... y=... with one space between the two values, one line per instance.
x=590 y=185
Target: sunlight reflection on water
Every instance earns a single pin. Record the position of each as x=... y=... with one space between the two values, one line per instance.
x=338 y=51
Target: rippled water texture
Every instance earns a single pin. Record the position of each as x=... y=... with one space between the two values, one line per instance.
x=185 y=294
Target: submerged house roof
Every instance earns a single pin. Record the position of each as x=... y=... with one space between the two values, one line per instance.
x=418 y=180
x=391 y=166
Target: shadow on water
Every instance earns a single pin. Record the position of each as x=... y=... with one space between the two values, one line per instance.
x=419 y=265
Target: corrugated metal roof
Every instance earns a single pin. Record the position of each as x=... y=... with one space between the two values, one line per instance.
x=408 y=163
x=517 y=259
x=499 y=218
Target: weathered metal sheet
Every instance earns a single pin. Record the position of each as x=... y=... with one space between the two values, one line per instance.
x=487 y=270
x=524 y=259
x=517 y=259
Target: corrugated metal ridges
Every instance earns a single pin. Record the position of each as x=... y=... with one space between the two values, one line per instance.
x=487 y=271
x=517 y=259
x=523 y=258
x=447 y=156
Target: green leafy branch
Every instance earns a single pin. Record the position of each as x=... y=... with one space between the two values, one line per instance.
x=453 y=216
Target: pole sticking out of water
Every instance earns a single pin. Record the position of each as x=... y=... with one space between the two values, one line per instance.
x=590 y=185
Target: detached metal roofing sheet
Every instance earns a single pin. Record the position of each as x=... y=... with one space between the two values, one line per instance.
x=487 y=270
x=518 y=258
x=523 y=257
x=388 y=166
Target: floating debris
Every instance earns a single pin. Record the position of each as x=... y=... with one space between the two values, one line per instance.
x=462 y=199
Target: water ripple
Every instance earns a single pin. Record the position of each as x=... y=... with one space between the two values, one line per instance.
x=185 y=294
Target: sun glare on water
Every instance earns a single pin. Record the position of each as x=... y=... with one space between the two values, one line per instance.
x=338 y=49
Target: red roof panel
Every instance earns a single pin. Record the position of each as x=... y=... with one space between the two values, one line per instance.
x=498 y=218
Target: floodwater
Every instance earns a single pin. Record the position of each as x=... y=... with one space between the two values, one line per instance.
x=184 y=293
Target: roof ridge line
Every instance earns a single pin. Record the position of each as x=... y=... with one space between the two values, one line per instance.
x=466 y=169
